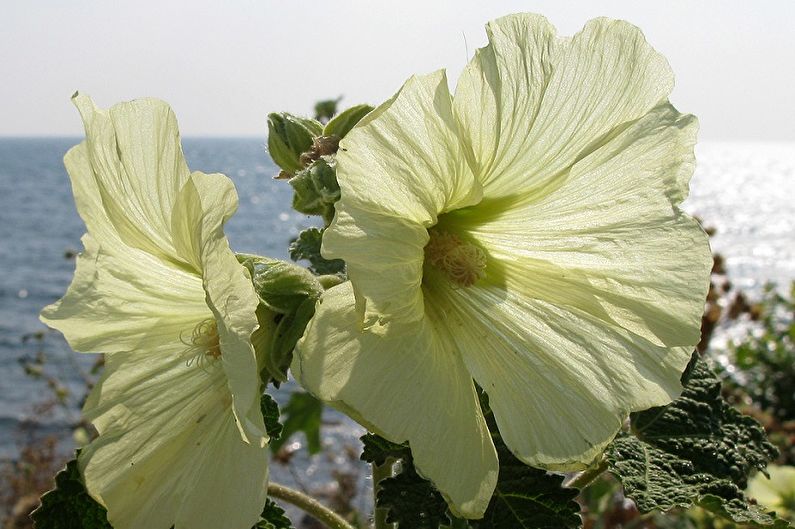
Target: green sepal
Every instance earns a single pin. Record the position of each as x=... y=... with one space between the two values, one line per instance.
x=698 y=450
x=271 y=414
x=303 y=413
x=273 y=517
x=316 y=189
x=307 y=247
x=343 y=122
x=68 y=505
x=281 y=286
x=288 y=332
x=290 y=136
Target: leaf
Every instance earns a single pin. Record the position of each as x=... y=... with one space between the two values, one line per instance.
x=528 y=497
x=346 y=120
x=68 y=505
x=698 y=450
x=377 y=449
x=307 y=246
x=271 y=414
x=303 y=413
x=413 y=502
x=525 y=497
x=273 y=517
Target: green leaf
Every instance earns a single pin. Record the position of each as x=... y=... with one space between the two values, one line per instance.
x=698 y=450
x=273 y=517
x=68 y=505
x=528 y=497
x=345 y=121
x=377 y=449
x=271 y=414
x=413 y=502
x=303 y=413
x=290 y=136
x=307 y=247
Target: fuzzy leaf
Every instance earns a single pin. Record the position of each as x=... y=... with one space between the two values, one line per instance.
x=270 y=412
x=68 y=505
x=288 y=137
x=413 y=502
x=698 y=450
x=273 y=517
x=303 y=413
x=528 y=497
x=377 y=449
x=307 y=246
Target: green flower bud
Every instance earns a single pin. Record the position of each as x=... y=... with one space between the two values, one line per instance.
x=289 y=137
x=316 y=190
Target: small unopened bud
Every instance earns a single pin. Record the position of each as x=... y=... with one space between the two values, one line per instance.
x=289 y=137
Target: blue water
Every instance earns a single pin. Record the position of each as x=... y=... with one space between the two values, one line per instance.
x=745 y=190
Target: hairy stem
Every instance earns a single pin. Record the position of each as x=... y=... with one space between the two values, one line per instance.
x=309 y=505
x=584 y=478
x=380 y=472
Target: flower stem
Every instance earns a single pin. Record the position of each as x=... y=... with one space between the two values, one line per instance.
x=381 y=472
x=584 y=478
x=309 y=505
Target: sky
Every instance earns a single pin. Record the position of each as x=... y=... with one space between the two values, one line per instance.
x=223 y=65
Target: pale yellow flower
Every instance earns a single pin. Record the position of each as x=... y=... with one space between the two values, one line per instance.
x=777 y=492
x=181 y=437
x=524 y=235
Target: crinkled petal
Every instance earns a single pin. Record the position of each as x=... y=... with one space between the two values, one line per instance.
x=126 y=302
x=169 y=452
x=202 y=207
x=398 y=169
x=531 y=104
x=406 y=382
x=132 y=169
x=610 y=239
x=560 y=382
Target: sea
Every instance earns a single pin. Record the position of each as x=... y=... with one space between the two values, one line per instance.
x=745 y=191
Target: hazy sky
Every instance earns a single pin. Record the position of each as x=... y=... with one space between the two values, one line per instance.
x=223 y=65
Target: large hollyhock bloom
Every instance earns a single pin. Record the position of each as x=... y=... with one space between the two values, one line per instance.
x=525 y=236
x=181 y=437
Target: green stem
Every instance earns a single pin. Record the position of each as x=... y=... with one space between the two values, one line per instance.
x=459 y=523
x=309 y=505
x=581 y=480
x=381 y=472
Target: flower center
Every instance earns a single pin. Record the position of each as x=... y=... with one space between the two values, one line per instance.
x=204 y=343
x=462 y=262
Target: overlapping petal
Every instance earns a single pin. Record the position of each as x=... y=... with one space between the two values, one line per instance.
x=406 y=382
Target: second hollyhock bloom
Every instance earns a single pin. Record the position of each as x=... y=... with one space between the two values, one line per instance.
x=523 y=235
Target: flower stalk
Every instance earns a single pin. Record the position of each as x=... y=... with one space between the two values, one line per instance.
x=309 y=505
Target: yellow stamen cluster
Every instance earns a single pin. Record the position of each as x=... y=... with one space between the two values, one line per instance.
x=462 y=262
x=204 y=343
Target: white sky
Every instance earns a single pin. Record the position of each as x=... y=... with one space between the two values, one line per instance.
x=223 y=65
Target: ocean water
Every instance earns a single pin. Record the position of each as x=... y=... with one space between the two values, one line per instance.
x=744 y=190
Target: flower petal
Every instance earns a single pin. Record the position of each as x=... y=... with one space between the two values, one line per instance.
x=610 y=239
x=125 y=302
x=555 y=100
x=408 y=147
x=407 y=383
x=169 y=452
x=560 y=382
x=133 y=168
x=201 y=209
